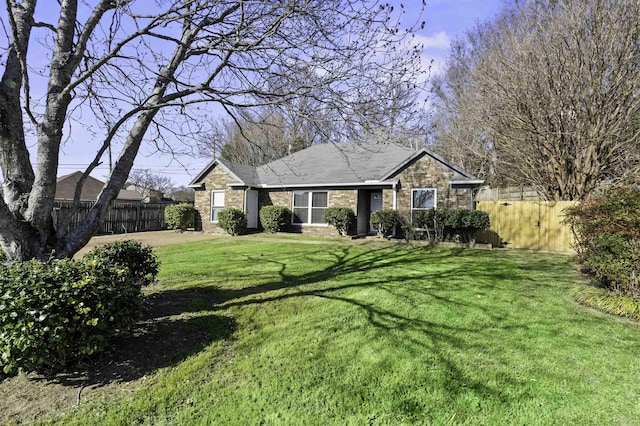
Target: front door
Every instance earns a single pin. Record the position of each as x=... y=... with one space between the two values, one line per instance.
x=375 y=204
x=251 y=208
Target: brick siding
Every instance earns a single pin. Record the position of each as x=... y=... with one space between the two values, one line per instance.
x=216 y=180
x=424 y=173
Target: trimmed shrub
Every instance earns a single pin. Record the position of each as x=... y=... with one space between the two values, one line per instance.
x=470 y=221
x=275 y=218
x=140 y=261
x=607 y=231
x=55 y=312
x=232 y=220
x=384 y=220
x=447 y=223
x=342 y=218
x=422 y=218
x=179 y=216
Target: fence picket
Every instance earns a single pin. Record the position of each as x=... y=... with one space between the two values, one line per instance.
x=536 y=225
x=120 y=218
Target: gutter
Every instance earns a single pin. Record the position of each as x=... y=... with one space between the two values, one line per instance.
x=390 y=184
x=395 y=206
x=466 y=182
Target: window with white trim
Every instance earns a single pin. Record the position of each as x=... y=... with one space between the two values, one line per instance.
x=309 y=207
x=217 y=204
x=423 y=199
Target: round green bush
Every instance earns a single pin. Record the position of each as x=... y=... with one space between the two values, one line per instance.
x=384 y=220
x=139 y=260
x=179 y=216
x=232 y=220
x=342 y=218
x=275 y=218
x=55 y=312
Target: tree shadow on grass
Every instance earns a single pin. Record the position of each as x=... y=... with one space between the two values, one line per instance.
x=167 y=333
x=347 y=269
x=180 y=322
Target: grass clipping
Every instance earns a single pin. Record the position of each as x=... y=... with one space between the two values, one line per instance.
x=608 y=301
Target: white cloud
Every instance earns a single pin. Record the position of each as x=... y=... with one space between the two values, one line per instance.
x=440 y=40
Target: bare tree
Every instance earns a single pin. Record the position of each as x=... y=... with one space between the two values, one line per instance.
x=553 y=89
x=145 y=71
x=150 y=185
x=254 y=137
x=456 y=134
x=391 y=109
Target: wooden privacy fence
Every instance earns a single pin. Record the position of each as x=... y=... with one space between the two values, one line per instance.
x=121 y=217
x=536 y=225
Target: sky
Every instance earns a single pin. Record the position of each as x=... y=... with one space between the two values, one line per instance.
x=445 y=20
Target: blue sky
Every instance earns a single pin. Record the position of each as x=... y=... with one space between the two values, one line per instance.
x=445 y=20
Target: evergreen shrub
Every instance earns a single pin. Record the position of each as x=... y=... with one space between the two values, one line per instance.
x=54 y=312
x=275 y=218
x=342 y=218
x=232 y=220
x=179 y=216
x=384 y=220
x=607 y=235
x=447 y=223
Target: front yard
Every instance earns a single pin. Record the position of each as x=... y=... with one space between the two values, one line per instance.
x=249 y=331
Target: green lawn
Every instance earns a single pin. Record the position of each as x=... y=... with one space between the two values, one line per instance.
x=377 y=333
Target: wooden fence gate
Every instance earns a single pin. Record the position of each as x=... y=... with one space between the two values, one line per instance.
x=536 y=225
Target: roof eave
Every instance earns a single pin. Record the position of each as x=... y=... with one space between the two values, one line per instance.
x=197 y=181
x=388 y=183
x=466 y=184
x=403 y=164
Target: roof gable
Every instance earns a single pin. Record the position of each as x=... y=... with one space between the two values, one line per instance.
x=240 y=172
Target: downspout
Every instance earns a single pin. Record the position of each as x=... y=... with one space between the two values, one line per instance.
x=394 y=186
x=473 y=199
x=395 y=200
x=244 y=200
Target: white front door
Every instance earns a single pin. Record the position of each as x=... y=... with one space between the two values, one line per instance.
x=251 y=208
x=375 y=204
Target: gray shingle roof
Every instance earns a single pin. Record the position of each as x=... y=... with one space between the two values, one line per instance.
x=242 y=172
x=333 y=164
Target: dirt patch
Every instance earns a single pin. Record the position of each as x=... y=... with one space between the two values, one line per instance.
x=152 y=238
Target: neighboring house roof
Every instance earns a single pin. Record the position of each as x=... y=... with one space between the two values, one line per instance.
x=150 y=194
x=346 y=164
x=66 y=186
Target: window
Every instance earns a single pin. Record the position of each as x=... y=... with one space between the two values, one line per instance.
x=308 y=207
x=423 y=199
x=217 y=204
